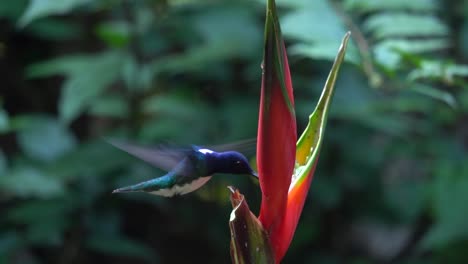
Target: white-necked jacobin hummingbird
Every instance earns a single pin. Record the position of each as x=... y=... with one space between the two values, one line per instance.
x=188 y=168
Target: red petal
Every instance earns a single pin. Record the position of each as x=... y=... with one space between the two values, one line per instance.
x=296 y=200
x=276 y=146
x=307 y=155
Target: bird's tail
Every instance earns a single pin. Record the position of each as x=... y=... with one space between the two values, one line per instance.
x=140 y=187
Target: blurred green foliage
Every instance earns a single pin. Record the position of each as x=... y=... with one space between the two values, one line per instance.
x=391 y=184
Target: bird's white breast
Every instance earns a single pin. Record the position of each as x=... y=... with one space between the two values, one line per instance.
x=182 y=189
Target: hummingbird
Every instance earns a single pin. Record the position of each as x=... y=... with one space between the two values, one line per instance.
x=188 y=168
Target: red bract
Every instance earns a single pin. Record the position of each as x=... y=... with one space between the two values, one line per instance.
x=276 y=147
x=296 y=199
x=285 y=170
x=276 y=152
x=285 y=167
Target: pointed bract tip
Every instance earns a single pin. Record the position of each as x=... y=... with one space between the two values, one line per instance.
x=232 y=189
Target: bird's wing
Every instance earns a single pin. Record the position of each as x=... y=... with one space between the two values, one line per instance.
x=247 y=147
x=163 y=157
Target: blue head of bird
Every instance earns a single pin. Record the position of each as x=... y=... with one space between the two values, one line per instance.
x=233 y=162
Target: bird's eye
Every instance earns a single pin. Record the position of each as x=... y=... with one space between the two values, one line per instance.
x=238 y=162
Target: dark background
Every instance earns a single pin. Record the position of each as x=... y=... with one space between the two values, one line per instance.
x=391 y=184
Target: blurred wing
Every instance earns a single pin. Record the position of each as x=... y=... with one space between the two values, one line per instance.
x=248 y=147
x=163 y=157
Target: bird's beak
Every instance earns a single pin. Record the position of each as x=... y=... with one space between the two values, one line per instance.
x=253 y=173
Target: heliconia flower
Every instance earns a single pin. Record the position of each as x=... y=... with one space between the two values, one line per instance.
x=249 y=241
x=276 y=145
x=285 y=168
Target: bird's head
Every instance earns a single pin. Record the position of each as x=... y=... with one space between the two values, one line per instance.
x=235 y=163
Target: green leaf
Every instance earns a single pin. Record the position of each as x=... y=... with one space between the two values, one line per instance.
x=435 y=93
x=137 y=77
x=30 y=182
x=249 y=241
x=450 y=200
x=45 y=220
x=67 y=65
x=324 y=51
x=110 y=106
x=300 y=24
x=120 y=246
x=224 y=33
x=114 y=33
x=4 y=121
x=366 y=6
x=87 y=78
x=56 y=29
x=405 y=25
x=42 y=8
x=292 y=3
x=76 y=164
x=170 y=129
x=233 y=30
x=316 y=42
x=12 y=9
x=438 y=70
x=45 y=139
x=388 y=52
x=38 y=210
x=81 y=89
x=173 y=106
x=169 y=111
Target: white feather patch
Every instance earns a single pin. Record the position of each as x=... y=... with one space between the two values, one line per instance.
x=183 y=189
x=205 y=151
